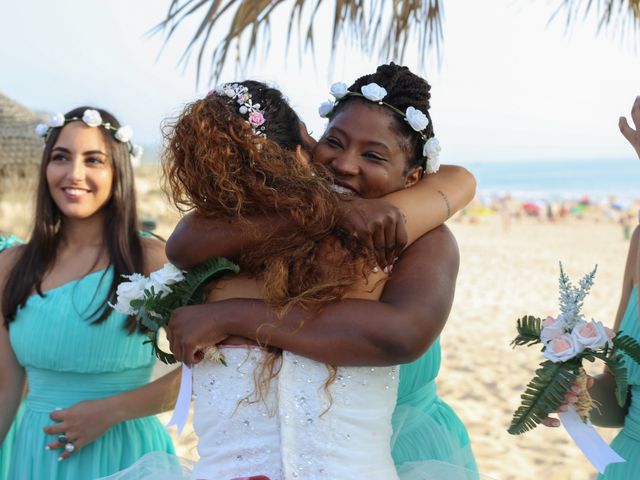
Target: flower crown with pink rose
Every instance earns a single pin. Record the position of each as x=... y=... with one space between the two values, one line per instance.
x=92 y=118
x=240 y=93
x=416 y=119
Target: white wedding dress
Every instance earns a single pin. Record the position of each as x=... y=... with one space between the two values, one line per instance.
x=302 y=429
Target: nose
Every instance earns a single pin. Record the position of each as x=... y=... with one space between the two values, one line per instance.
x=345 y=163
x=76 y=169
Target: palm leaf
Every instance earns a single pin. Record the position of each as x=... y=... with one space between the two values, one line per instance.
x=628 y=345
x=190 y=290
x=543 y=395
x=373 y=26
x=615 y=363
x=618 y=16
x=529 y=328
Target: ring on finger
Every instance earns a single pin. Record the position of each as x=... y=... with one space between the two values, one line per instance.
x=62 y=438
x=69 y=447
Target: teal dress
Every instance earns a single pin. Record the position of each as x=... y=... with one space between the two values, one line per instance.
x=68 y=360
x=6 y=448
x=425 y=428
x=627 y=442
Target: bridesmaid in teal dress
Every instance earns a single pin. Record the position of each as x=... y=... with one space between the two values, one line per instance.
x=609 y=414
x=417 y=296
x=6 y=448
x=89 y=403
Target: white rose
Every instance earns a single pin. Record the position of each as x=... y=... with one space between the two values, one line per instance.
x=56 y=120
x=339 y=90
x=167 y=275
x=562 y=348
x=551 y=328
x=416 y=119
x=137 y=151
x=325 y=108
x=592 y=335
x=124 y=134
x=432 y=148
x=128 y=291
x=373 y=92
x=42 y=129
x=229 y=91
x=92 y=118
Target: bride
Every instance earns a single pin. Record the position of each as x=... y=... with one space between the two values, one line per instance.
x=270 y=412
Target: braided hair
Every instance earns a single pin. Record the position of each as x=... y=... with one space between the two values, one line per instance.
x=404 y=89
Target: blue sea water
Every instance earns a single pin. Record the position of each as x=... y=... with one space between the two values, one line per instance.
x=562 y=179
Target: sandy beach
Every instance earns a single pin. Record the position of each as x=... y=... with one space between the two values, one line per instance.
x=504 y=274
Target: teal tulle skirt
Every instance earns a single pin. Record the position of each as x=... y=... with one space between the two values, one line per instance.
x=627 y=444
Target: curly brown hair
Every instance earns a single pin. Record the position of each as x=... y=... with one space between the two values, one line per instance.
x=215 y=164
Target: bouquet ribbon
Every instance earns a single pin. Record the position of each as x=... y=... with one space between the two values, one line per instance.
x=597 y=451
x=181 y=410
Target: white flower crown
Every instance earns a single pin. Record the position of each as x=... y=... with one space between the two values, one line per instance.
x=416 y=119
x=241 y=94
x=92 y=118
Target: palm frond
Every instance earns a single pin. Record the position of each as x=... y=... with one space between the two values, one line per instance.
x=529 y=328
x=615 y=15
x=628 y=345
x=543 y=395
x=374 y=26
x=615 y=363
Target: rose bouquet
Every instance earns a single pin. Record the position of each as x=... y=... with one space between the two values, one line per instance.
x=152 y=299
x=567 y=341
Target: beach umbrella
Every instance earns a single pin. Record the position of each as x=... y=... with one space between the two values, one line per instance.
x=20 y=147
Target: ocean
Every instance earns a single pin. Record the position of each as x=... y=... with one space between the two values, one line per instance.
x=562 y=179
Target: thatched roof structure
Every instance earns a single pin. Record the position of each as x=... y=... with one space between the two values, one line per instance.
x=20 y=148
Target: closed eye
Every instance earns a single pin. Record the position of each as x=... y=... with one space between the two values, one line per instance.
x=374 y=156
x=334 y=142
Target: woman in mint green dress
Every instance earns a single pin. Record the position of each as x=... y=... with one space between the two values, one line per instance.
x=370 y=162
x=89 y=401
x=6 y=447
x=609 y=414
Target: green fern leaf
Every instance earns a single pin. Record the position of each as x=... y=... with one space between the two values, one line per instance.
x=529 y=328
x=616 y=365
x=192 y=287
x=544 y=394
x=628 y=345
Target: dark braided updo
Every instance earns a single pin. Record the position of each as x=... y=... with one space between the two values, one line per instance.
x=404 y=89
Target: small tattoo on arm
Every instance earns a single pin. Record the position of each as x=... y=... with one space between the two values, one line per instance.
x=446 y=201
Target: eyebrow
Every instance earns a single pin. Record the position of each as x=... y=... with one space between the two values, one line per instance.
x=370 y=142
x=88 y=152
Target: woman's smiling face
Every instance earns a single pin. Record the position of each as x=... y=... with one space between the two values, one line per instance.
x=361 y=147
x=79 y=172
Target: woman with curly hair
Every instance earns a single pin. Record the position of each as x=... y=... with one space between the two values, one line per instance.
x=370 y=149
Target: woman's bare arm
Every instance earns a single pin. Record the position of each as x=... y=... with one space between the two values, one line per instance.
x=400 y=327
x=378 y=222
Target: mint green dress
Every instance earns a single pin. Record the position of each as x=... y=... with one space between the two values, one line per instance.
x=67 y=360
x=426 y=428
x=6 y=448
x=627 y=442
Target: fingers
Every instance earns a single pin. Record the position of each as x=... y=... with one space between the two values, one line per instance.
x=402 y=237
x=551 y=422
x=625 y=129
x=379 y=245
x=390 y=244
x=635 y=112
x=56 y=429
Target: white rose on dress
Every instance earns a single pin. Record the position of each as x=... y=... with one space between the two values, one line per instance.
x=551 y=328
x=416 y=119
x=56 y=120
x=325 y=108
x=128 y=291
x=562 y=348
x=373 y=92
x=42 y=129
x=592 y=335
x=124 y=134
x=339 y=90
x=92 y=118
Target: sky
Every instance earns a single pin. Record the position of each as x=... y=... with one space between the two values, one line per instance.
x=511 y=85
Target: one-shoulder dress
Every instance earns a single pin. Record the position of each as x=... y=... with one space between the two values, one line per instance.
x=67 y=360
